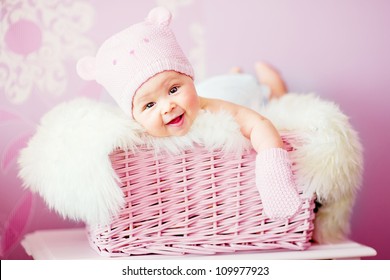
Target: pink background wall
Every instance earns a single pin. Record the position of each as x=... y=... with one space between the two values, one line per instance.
x=336 y=48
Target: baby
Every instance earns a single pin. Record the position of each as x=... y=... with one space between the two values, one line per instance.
x=146 y=72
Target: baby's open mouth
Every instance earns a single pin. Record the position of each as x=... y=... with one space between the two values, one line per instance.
x=176 y=120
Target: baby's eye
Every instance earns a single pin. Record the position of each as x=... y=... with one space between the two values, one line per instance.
x=149 y=105
x=173 y=90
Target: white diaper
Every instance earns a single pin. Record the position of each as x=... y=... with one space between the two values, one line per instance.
x=242 y=89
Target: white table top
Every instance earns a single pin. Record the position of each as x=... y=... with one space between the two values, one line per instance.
x=65 y=244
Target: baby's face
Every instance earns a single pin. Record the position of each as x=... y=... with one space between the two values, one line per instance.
x=167 y=104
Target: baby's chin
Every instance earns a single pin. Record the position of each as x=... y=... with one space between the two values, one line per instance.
x=181 y=132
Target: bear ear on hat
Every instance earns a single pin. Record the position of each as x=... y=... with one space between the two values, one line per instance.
x=160 y=15
x=86 y=68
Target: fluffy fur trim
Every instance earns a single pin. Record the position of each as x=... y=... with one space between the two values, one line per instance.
x=66 y=160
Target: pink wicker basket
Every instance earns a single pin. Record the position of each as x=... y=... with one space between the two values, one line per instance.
x=198 y=202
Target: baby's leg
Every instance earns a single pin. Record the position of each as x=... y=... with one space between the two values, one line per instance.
x=270 y=77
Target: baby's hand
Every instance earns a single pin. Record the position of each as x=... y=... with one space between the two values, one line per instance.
x=275 y=182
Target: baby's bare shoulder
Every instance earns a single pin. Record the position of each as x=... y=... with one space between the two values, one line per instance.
x=206 y=103
x=214 y=105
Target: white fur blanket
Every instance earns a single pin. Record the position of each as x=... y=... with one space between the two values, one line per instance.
x=67 y=162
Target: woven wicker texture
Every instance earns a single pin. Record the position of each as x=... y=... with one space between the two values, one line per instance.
x=198 y=202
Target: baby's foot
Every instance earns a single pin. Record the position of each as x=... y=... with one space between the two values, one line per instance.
x=269 y=76
x=235 y=70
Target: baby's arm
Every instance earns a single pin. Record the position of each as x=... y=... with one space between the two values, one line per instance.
x=261 y=132
x=274 y=177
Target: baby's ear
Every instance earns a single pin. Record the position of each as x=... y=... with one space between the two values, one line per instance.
x=160 y=16
x=86 y=68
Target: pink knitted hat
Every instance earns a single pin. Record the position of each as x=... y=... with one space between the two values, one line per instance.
x=129 y=58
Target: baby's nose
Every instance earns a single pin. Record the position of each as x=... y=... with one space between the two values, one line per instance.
x=168 y=107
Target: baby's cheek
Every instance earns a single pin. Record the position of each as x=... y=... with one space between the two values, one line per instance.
x=195 y=107
x=153 y=127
